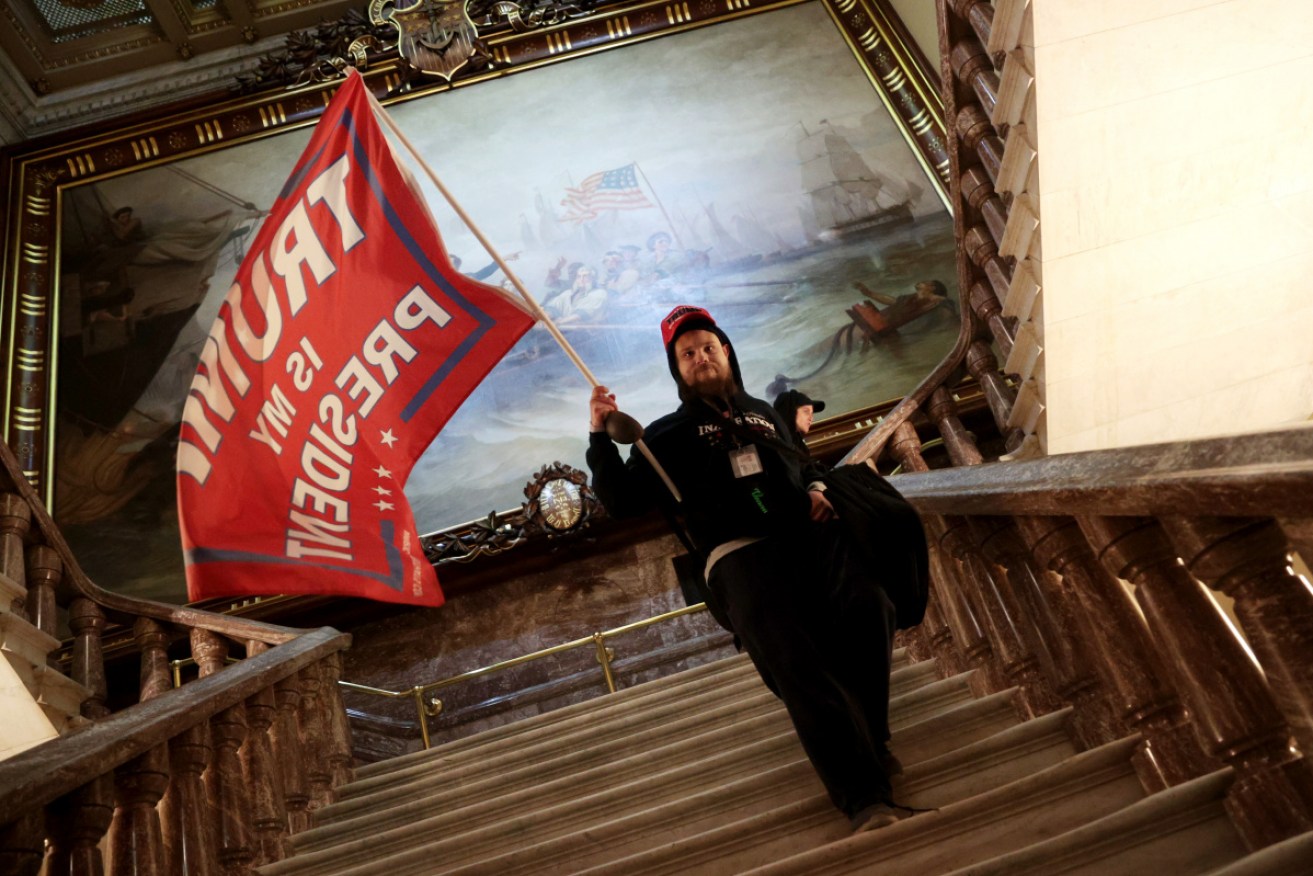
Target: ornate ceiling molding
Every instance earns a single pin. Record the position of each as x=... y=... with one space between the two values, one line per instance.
x=27 y=116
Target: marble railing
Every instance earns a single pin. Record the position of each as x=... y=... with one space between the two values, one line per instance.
x=989 y=172
x=1084 y=581
x=215 y=773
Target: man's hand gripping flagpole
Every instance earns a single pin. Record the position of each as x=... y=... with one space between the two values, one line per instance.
x=620 y=426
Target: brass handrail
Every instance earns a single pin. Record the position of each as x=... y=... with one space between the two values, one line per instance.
x=598 y=640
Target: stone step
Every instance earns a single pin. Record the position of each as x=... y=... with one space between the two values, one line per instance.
x=1081 y=789
x=1292 y=857
x=588 y=728
x=800 y=822
x=19 y=637
x=714 y=673
x=694 y=795
x=1183 y=830
x=592 y=766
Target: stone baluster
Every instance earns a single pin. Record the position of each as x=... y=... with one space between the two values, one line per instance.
x=315 y=738
x=905 y=448
x=1230 y=704
x=1053 y=637
x=1121 y=652
x=340 y=729
x=943 y=411
x=972 y=66
x=22 y=846
x=135 y=836
x=978 y=192
x=980 y=248
x=288 y=756
x=82 y=818
x=979 y=14
x=939 y=636
x=978 y=135
x=44 y=572
x=228 y=792
x=268 y=813
x=189 y=845
x=224 y=781
x=955 y=588
x=1002 y=618
x=77 y=823
x=1245 y=558
x=154 y=644
x=15 y=521
x=983 y=366
x=189 y=840
x=985 y=303
x=87 y=623
x=950 y=588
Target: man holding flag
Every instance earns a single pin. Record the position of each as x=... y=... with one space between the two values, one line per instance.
x=345 y=343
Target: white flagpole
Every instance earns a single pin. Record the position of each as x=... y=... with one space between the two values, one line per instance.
x=534 y=306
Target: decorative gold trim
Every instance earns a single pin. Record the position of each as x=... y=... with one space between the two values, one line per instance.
x=36 y=253
x=272 y=115
x=101 y=154
x=31 y=361
x=27 y=419
x=210 y=131
x=37 y=206
x=81 y=165
x=144 y=148
x=617 y=28
x=32 y=305
x=558 y=42
x=678 y=14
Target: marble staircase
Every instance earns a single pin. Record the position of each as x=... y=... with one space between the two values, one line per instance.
x=700 y=773
x=37 y=700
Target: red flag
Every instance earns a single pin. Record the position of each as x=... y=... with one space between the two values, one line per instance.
x=345 y=344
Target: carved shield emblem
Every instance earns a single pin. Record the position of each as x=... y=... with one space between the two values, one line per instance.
x=435 y=36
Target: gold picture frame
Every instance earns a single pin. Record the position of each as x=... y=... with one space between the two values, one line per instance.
x=41 y=177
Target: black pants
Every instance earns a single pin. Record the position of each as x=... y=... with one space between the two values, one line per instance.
x=820 y=631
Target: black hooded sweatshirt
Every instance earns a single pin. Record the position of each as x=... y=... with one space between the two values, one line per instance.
x=694 y=448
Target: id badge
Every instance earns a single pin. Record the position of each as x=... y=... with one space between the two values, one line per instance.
x=745 y=461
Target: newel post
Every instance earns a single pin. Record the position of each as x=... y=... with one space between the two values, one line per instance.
x=1231 y=706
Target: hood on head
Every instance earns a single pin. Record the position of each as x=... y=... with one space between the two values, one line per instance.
x=686 y=318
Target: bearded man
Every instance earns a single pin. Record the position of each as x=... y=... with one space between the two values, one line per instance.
x=779 y=567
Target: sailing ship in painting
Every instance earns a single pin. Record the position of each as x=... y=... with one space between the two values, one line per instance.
x=622 y=266
x=145 y=264
x=846 y=196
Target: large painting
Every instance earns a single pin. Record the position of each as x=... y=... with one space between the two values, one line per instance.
x=748 y=168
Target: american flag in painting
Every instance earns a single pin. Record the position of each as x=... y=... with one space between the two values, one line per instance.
x=605 y=190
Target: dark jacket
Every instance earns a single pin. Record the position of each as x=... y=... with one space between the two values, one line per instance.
x=695 y=451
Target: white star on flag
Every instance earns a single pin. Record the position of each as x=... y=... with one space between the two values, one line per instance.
x=387 y=438
x=383 y=491
x=382 y=472
x=383 y=506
